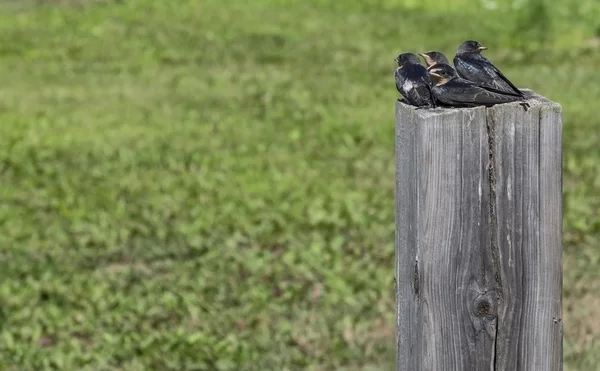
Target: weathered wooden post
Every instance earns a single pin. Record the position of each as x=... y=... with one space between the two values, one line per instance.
x=478 y=237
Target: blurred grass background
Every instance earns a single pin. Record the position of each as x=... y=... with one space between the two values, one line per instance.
x=208 y=185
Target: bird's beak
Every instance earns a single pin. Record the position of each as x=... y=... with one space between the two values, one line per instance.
x=426 y=58
x=482 y=48
x=432 y=73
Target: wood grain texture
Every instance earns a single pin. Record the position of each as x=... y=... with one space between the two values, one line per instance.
x=478 y=237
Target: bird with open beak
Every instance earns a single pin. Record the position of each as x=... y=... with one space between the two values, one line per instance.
x=413 y=82
x=453 y=91
x=433 y=57
x=473 y=66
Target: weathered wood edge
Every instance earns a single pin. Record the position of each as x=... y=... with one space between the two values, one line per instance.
x=526 y=152
x=533 y=99
x=446 y=144
x=408 y=344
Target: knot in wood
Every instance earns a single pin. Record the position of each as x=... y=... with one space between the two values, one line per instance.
x=483 y=308
x=484 y=304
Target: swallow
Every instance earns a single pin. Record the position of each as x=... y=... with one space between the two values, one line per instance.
x=452 y=90
x=413 y=82
x=433 y=57
x=473 y=66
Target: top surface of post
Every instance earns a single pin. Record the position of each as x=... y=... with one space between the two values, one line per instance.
x=534 y=100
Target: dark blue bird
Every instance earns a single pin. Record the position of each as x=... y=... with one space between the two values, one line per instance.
x=413 y=82
x=433 y=57
x=454 y=91
x=471 y=65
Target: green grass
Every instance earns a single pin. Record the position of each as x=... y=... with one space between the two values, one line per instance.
x=208 y=185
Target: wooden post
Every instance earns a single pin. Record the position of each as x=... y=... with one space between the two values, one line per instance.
x=478 y=237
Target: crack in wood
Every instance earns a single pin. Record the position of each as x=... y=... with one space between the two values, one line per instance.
x=491 y=134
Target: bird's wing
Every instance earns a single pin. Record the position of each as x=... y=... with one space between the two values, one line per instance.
x=427 y=84
x=469 y=68
x=472 y=94
x=494 y=89
x=399 y=80
x=503 y=78
x=497 y=78
x=424 y=77
x=420 y=91
x=420 y=94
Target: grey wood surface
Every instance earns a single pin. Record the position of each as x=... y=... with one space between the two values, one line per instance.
x=478 y=237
